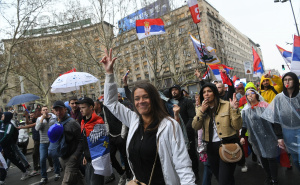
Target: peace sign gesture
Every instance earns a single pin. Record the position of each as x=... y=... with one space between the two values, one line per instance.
x=234 y=103
x=108 y=62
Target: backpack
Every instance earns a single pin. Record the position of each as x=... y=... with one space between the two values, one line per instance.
x=59 y=148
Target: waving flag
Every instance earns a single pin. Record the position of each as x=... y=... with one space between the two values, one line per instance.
x=148 y=27
x=206 y=74
x=286 y=55
x=216 y=69
x=194 y=9
x=207 y=55
x=295 y=65
x=258 y=69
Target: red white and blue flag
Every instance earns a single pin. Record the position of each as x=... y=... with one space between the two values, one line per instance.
x=286 y=55
x=217 y=70
x=148 y=27
x=295 y=65
x=194 y=9
x=258 y=69
x=206 y=74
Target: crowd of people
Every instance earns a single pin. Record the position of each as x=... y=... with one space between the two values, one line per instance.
x=160 y=136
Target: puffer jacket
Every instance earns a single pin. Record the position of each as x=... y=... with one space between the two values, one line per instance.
x=269 y=94
x=173 y=155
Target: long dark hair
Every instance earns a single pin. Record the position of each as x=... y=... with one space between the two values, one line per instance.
x=158 y=111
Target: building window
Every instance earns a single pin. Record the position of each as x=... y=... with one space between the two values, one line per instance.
x=138 y=77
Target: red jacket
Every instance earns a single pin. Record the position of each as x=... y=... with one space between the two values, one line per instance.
x=89 y=126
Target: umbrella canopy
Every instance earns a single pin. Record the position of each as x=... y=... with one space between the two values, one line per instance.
x=71 y=82
x=23 y=98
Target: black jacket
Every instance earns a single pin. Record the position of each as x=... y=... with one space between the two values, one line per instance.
x=228 y=94
x=72 y=133
x=187 y=112
x=115 y=125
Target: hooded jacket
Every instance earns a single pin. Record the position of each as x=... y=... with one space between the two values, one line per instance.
x=228 y=121
x=8 y=133
x=187 y=110
x=270 y=94
x=296 y=84
x=243 y=100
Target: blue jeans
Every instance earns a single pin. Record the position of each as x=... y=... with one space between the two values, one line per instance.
x=43 y=158
x=207 y=174
x=292 y=141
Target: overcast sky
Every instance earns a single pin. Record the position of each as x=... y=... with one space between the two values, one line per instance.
x=265 y=22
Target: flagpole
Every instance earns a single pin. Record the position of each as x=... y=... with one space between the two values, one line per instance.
x=202 y=49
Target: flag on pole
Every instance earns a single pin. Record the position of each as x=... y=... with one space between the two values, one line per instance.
x=194 y=9
x=295 y=64
x=206 y=74
x=148 y=27
x=207 y=55
x=286 y=55
x=216 y=69
x=258 y=69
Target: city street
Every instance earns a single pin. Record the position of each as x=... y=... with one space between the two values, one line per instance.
x=254 y=176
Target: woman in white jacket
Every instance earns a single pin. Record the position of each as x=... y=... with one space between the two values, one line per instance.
x=155 y=140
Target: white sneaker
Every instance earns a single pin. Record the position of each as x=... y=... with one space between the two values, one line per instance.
x=2 y=182
x=122 y=180
x=25 y=176
x=50 y=169
x=244 y=168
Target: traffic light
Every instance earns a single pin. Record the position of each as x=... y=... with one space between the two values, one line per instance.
x=283 y=68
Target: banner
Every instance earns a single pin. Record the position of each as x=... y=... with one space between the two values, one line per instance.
x=248 y=67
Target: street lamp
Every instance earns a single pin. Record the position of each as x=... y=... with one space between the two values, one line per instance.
x=283 y=1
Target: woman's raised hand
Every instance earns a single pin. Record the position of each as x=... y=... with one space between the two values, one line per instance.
x=108 y=62
x=234 y=103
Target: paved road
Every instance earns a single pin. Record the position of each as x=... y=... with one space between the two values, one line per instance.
x=254 y=176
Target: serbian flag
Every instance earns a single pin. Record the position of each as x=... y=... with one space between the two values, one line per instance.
x=148 y=27
x=194 y=9
x=286 y=55
x=295 y=65
x=205 y=54
x=258 y=69
x=216 y=69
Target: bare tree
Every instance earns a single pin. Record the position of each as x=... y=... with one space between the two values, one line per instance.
x=19 y=15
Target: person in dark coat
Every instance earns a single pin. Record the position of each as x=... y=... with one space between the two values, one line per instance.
x=187 y=113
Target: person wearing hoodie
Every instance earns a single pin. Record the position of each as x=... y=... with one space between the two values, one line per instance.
x=243 y=100
x=267 y=89
x=285 y=110
x=187 y=113
x=7 y=136
x=261 y=135
x=220 y=120
x=95 y=144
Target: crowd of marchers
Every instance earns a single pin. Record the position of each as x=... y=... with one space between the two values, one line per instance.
x=160 y=136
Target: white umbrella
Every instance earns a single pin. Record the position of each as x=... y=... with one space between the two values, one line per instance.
x=71 y=82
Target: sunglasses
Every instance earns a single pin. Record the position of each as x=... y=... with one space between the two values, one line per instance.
x=250 y=93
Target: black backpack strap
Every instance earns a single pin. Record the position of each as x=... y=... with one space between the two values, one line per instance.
x=273 y=89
